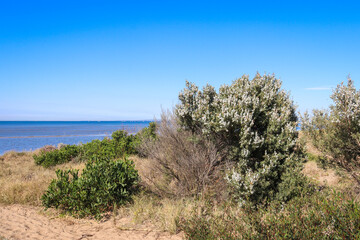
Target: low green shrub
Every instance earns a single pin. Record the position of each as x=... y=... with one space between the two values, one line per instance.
x=119 y=145
x=320 y=216
x=102 y=184
x=145 y=135
x=98 y=148
x=56 y=156
x=148 y=132
x=124 y=142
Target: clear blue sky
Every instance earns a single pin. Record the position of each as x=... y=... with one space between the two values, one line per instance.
x=125 y=60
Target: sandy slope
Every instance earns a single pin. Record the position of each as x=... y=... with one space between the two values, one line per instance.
x=22 y=222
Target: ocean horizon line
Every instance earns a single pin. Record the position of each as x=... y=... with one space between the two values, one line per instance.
x=145 y=120
x=54 y=136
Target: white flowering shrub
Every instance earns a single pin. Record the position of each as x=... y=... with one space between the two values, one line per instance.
x=257 y=122
x=336 y=131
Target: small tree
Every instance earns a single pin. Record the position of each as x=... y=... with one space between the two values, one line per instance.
x=336 y=132
x=256 y=120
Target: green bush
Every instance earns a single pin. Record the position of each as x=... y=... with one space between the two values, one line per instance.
x=102 y=184
x=56 y=156
x=123 y=142
x=256 y=123
x=148 y=132
x=320 y=216
x=145 y=136
x=336 y=132
x=120 y=145
x=98 y=148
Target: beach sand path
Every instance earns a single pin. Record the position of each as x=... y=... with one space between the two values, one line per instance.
x=25 y=222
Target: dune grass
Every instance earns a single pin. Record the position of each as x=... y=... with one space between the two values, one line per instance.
x=24 y=182
x=148 y=209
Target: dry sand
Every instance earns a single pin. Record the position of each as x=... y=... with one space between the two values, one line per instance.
x=25 y=222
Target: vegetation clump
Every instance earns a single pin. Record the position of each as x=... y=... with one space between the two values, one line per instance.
x=104 y=181
x=48 y=158
x=120 y=144
x=102 y=184
x=320 y=216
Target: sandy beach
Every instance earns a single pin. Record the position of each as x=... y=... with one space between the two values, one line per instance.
x=25 y=222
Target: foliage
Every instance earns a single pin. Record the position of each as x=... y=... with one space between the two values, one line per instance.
x=255 y=119
x=124 y=143
x=57 y=156
x=320 y=216
x=147 y=134
x=102 y=184
x=162 y=213
x=336 y=132
x=121 y=144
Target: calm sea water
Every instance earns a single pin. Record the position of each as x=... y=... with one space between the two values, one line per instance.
x=29 y=135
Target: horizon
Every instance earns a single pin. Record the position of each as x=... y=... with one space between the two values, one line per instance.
x=107 y=60
x=145 y=120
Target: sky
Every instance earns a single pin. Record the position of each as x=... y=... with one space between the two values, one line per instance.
x=128 y=60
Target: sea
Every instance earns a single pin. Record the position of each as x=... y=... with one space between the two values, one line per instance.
x=29 y=135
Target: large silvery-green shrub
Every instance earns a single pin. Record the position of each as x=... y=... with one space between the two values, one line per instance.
x=255 y=120
x=336 y=131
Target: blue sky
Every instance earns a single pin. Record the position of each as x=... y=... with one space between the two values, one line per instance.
x=125 y=60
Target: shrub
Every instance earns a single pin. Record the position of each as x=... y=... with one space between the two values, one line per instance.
x=121 y=144
x=336 y=132
x=102 y=184
x=320 y=216
x=182 y=163
x=256 y=120
x=50 y=157
x=147 y=134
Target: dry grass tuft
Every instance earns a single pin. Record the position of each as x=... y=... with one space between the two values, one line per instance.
x=148 y=209
x=22 y=181
x=325 y=177
x=152 y=211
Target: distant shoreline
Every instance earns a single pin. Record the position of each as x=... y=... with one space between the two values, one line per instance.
x=29 y=135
